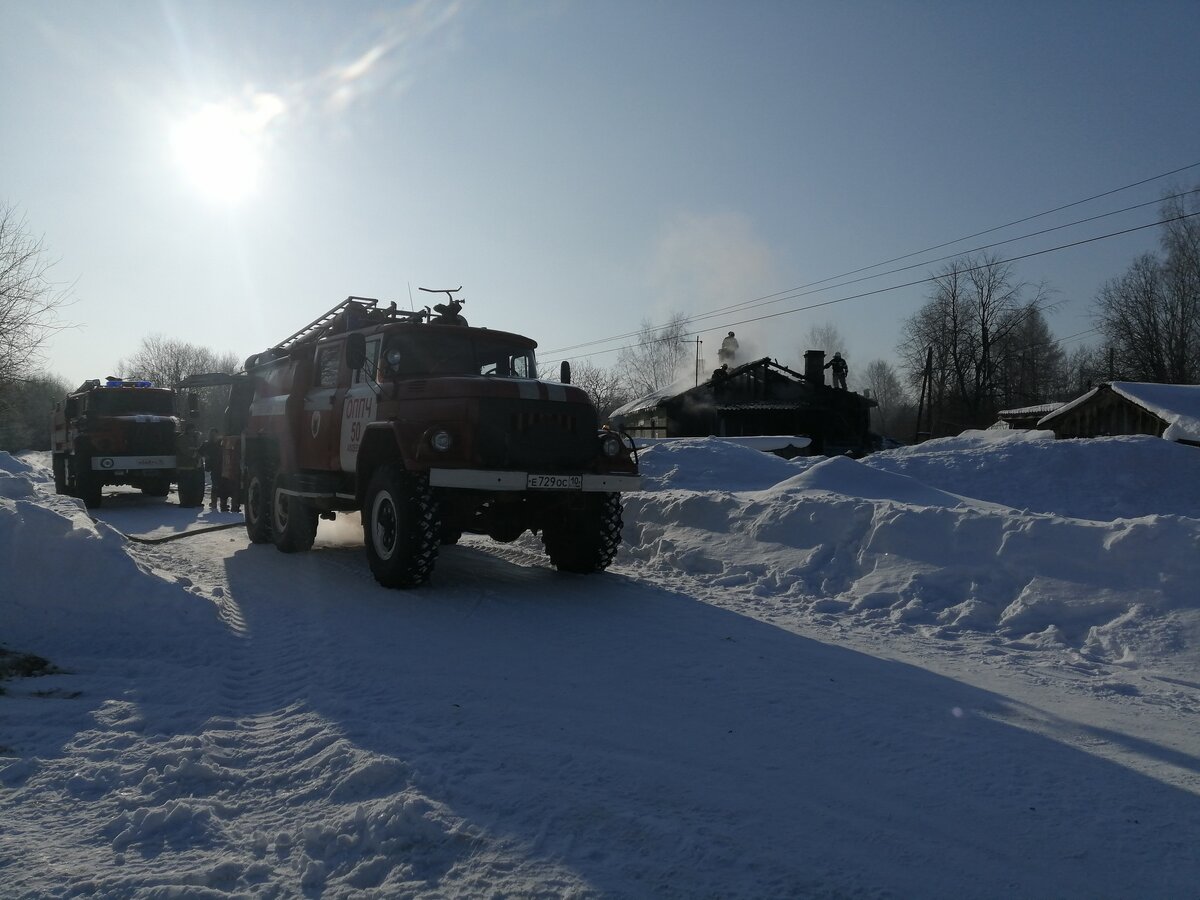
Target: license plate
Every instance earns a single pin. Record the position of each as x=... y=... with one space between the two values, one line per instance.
x=555 y=482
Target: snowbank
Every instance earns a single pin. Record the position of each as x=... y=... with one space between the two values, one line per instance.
x=1091 y=546
x=809 y=678
x=69 y=583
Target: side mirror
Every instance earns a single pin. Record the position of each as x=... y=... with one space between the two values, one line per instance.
x=564 y=372
x=356 y=351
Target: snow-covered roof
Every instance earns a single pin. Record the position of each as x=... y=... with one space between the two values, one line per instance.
x=1042 y=408
x=1176 y=404
x=652 y=399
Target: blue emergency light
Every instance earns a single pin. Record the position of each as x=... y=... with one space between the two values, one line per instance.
x=118 y=383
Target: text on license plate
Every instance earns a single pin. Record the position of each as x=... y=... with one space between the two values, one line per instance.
x=555 y=482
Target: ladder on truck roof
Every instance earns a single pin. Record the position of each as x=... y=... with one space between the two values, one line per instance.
x=368 y=311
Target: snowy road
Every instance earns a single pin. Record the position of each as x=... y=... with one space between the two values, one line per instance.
x=510 y=731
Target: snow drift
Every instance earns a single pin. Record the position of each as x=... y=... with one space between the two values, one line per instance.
x=962 y=669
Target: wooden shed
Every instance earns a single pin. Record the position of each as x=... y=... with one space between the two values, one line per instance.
x=1170 y=411
x=759 y=398
x=1025 y=416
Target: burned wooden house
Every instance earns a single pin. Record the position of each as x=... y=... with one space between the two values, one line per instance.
x=758 y=398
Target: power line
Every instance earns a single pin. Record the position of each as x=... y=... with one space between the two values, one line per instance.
x=1029 y=255
x=798 y=292
x=896 y=287
x=792 y=293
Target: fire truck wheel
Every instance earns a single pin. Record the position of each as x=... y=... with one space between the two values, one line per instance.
x=293 y=522
x=157 y=487
x=400 y=528
x=60 y=473
x=584 y=537
x=257 y=505
x=88 y=486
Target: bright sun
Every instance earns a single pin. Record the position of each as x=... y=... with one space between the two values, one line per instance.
x=219 y=151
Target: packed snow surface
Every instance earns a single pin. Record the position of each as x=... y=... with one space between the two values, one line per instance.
x=964 y=669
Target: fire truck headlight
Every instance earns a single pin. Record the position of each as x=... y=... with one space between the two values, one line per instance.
x=441 y=440
x=610 y=445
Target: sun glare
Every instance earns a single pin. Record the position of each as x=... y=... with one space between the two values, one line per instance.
x=220 y=151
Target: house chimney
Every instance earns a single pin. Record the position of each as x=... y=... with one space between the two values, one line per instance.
x=814 y=366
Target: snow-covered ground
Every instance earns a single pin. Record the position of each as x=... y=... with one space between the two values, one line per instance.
x=966 y=669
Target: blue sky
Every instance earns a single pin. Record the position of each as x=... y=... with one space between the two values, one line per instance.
x=224 y=172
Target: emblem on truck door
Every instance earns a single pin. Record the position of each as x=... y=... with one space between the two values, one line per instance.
x=316 y=422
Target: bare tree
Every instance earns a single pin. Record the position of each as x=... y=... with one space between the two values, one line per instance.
x=604 y=386
x=1085 y=368
x=824 y=336
x=976 y=302
x=29 y=300
x=1031 y=367
x=168 y=361
x=658 y=358
x=1181 y=244
x=938 y=332
x=1152 y=324
x=881 y=380
x=25 y=407
x=1150 y=315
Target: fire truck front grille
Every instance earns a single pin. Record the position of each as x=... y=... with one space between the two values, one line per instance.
x=531 y=434
x=151 y=437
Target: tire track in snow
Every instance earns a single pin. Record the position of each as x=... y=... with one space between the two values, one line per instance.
x=278 y=743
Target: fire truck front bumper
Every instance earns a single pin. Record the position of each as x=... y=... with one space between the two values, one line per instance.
x=492 y=480
x=131 y=463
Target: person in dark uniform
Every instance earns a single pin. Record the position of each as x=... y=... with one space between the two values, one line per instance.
x=840 y=370
x=210 y=451
x=231 y=465
x=729 y=348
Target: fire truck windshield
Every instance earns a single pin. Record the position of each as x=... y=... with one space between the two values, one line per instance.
x=130 y=402
x=460 y=353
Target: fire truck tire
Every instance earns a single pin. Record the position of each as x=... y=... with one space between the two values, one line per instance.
x=585 y=536
x=191 y=488
x=88 y=486
x=157 y=487
x=293 y=522
x=401 y=528
x=59 y=463
x=257 y=504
